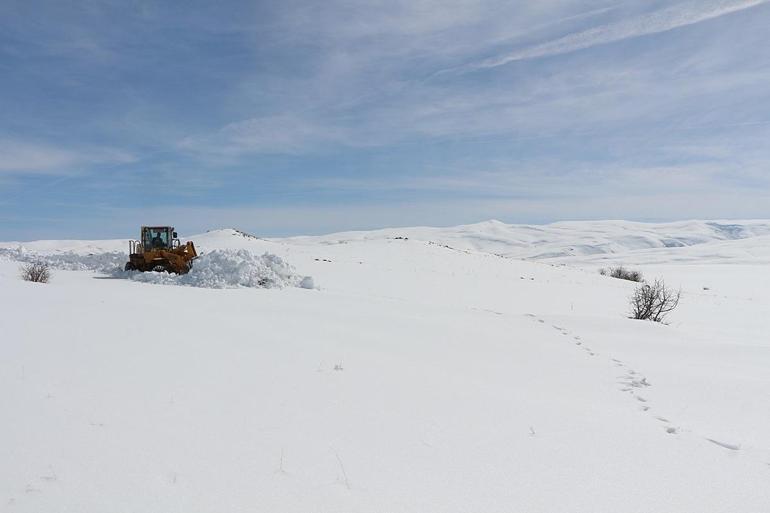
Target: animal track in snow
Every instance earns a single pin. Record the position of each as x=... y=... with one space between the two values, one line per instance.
x=635 y=382
x=732 y=447
x=630 y=381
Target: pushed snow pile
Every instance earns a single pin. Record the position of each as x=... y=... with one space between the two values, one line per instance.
x=101 y=262
x=218 y=269
x=222 y=269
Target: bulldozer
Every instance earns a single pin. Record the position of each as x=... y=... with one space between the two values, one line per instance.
x=159 y=249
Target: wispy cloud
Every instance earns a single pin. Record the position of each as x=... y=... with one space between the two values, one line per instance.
x=282 y=134
x=20 y=157
x=661 y=20
x=331 y=109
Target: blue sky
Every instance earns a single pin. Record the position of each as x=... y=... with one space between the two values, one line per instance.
x=308 y=117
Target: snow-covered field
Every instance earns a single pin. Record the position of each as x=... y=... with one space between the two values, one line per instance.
x=483 y=368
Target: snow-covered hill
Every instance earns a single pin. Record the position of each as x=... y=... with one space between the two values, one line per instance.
x=565 y=239
x=425 y=374
x=547 y=242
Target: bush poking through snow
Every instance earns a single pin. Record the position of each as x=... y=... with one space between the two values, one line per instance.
x=38 y=272
x=652 y=302
x=622 y=273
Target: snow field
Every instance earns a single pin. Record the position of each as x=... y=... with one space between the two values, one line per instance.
x=420 y=378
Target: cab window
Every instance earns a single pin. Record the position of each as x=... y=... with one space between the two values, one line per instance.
x=156 y=239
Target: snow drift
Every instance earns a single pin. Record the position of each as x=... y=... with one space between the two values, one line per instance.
x=222 y=269
x=106 y=262
x=217 y=269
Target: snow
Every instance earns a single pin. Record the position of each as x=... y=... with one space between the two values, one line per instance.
x=69 y=260
x=565 y=239
x=222 y=268
x=217 y=269
x=426 y=374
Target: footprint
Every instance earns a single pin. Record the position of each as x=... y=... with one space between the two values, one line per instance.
x=640 y=398
x=662 y=419
x=726 y=445
x=671 y=430
x=636 y=383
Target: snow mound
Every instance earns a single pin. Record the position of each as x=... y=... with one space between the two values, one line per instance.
x=69 y=261
x=217 y=269
x=224 y=269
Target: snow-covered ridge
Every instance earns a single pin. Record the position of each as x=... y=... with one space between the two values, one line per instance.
x=563 y=239
x=556 y=241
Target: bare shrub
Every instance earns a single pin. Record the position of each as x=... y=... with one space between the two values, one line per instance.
x=654 y=301
x=38 y=272
x=622 y=273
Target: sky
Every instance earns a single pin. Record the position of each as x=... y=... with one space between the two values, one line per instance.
x=307 y=117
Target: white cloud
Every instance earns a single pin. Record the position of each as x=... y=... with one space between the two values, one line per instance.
x=661 y=20
x=287 y=134
x=20 y=157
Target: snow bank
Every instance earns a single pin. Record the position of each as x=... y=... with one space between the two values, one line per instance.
x=69 y=261
x=218 y=269
x=223 y=269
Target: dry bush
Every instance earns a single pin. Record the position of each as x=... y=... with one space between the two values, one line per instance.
x=38 y=272
x=622 y=273
x=654 y=301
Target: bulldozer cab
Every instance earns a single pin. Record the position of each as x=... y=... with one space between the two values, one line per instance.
x=158 y=237
x=159 y=249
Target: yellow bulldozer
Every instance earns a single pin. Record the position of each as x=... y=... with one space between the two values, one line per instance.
x=159 y=249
